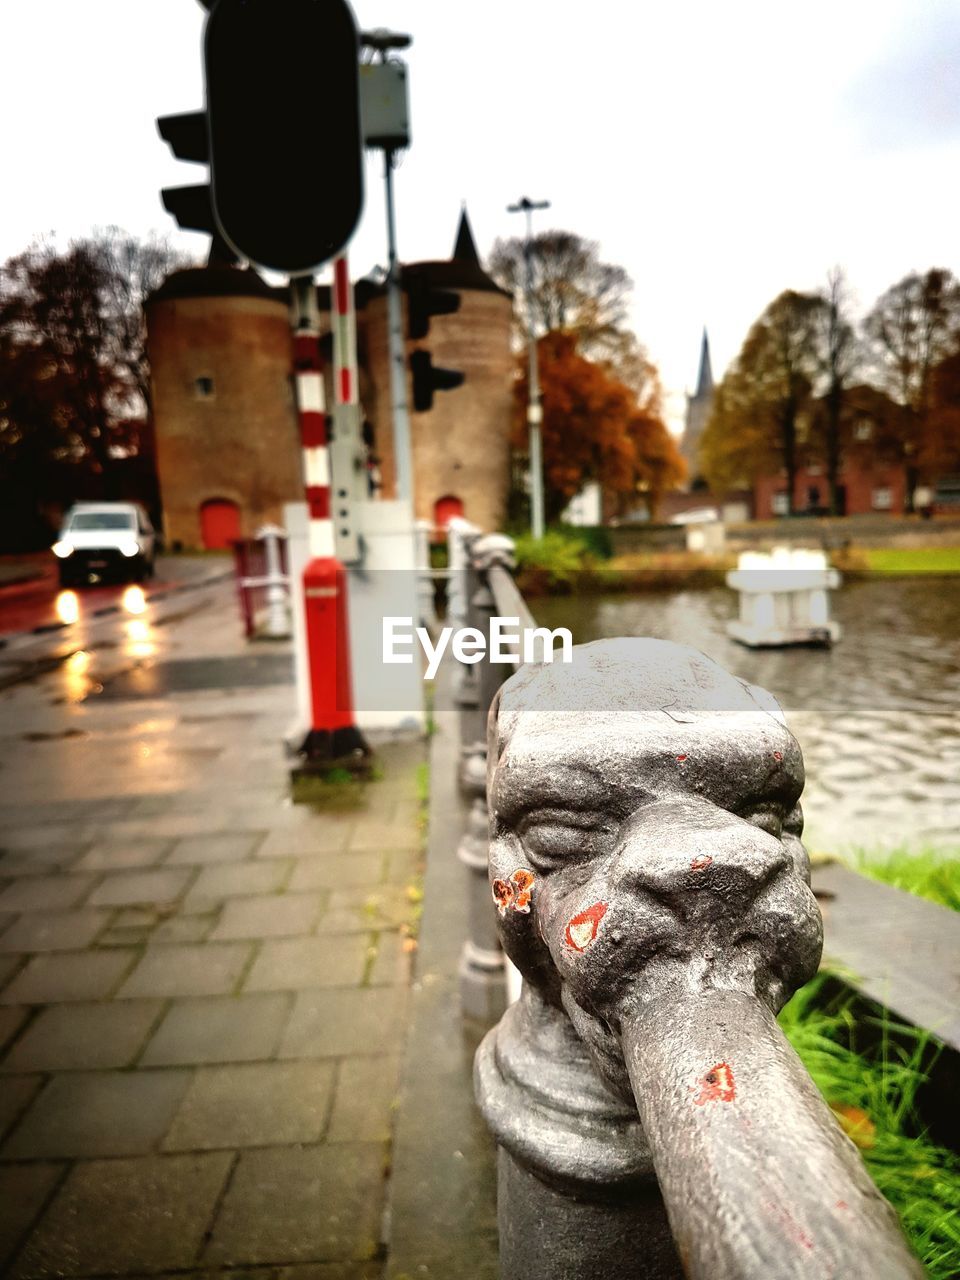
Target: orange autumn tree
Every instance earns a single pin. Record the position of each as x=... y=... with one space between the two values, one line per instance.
x=595 y=428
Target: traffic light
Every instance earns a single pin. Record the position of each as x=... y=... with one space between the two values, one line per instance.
x=423 y=301
x=192 y=207
x=281 y=134
x=427 y=378
x=286 y=146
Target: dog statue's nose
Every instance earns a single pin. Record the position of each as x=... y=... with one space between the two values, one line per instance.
x=689 y=894
x=696 y=859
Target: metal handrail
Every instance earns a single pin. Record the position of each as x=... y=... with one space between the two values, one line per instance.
x=731 y=1166
x=509 y=602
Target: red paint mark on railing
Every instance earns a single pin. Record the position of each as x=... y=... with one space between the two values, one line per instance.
x=582 y=929
x=701 y=863
x=788 y=1224
x=778 y=755
x=680 y=759
x=514 y=894
x=717 y=1085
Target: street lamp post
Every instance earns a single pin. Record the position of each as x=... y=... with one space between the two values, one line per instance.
x=534 y=408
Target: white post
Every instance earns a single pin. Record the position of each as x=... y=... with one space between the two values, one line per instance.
x=277 y=585
x=457 y=562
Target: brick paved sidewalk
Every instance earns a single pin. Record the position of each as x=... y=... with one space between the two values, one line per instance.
x=203 y=994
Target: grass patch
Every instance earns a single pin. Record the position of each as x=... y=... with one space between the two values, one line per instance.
x=565 y=560
x=336 y=790
x=912 y=559
x=665 y=571
x=423 y=783
x=552 y=562
x=562 y=562
x=927 y=873
x=872 y=1090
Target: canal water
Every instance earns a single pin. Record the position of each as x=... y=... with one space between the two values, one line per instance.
x=877 y=716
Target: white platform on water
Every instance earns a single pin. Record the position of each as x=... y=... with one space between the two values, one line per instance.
x=783 y=598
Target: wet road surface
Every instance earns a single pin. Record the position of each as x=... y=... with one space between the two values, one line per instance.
x=38 y=604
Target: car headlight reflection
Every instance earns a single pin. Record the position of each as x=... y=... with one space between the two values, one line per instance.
x=129 y=548
x=67 y=605
x=62 y=549
x=134 y=601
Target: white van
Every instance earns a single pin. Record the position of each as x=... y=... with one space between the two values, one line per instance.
x=102 y=540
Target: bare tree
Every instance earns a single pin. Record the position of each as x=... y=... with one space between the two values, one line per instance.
x=132 y=269
x=912 y=328
x=838 y=355
x=73 y=376
x=759 y=404
x=573 y=291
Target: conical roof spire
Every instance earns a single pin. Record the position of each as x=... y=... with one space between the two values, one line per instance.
x=462 y=271
x=465 y=249
x=705 y=375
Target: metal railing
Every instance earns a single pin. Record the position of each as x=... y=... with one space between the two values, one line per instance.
x=263 y=583
x=651 y=1118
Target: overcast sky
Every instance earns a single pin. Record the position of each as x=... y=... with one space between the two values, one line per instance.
x=719 y=152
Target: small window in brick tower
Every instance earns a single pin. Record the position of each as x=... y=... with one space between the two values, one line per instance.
x=445 y=508
x=219 y=523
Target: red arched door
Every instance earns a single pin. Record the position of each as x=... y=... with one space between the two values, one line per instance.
x=219 y=523
x=445 y=508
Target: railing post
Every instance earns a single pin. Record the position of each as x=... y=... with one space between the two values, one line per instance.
x=461 y=583
x=483 y=992
x=277 y=585
x=653 y=891
x=428 y=614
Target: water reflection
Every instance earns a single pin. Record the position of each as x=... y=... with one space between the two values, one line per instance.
x=134 y=601
x=67 y=606
x=139 y=639
x=876 y=716
x=76 y=680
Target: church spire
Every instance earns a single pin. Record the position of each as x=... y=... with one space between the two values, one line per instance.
x=705 y=375
x=465 y=249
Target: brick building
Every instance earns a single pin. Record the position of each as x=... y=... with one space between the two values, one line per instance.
x=865 y=487
x=228 y=451
x=872 y=476
x=228 y=457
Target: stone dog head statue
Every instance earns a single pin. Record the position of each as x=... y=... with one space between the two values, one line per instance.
x=645 y=835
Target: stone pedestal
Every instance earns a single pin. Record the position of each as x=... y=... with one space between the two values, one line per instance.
x=576 y=1193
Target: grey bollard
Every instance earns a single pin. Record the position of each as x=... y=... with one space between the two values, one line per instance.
x=422 y=529
x=473 y=713
x=461 y=585
x=483 y=991
x=654 y=893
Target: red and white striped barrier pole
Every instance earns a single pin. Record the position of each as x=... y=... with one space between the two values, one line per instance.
x=344 y=334
x=347 y=458
x=333 y=738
